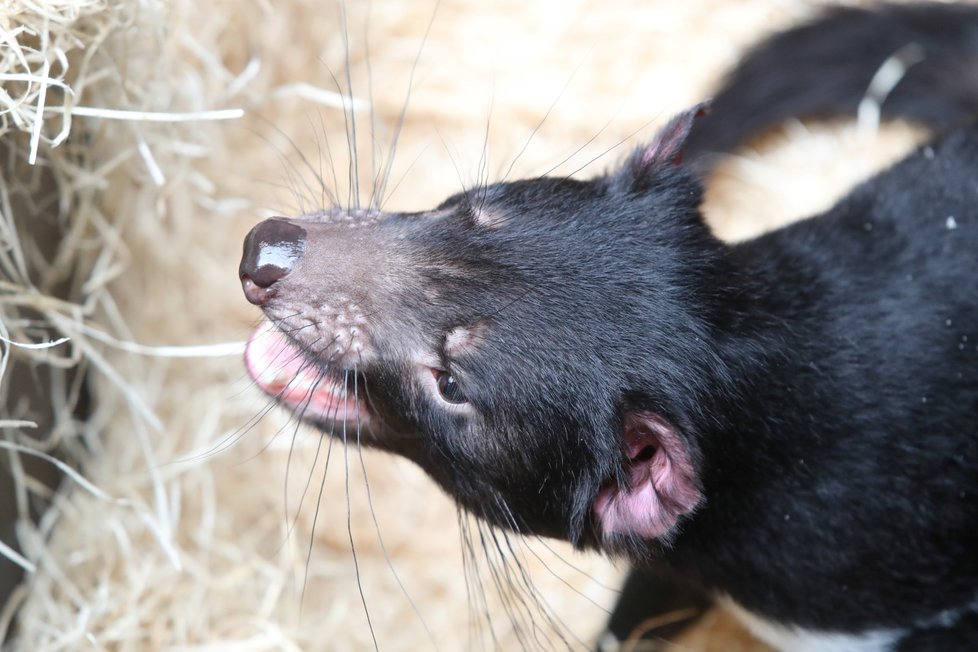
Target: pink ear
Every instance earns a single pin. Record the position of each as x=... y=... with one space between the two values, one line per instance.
x=662 y=483
x=667 y=146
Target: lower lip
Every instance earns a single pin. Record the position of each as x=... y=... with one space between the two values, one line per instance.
x=280 y=369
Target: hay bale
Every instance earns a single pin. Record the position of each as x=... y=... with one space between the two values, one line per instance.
x=197 y=518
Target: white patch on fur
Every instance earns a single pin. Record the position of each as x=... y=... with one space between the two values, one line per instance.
x=463 y=338
x=795 y=639
x=948 y=617
x=487 y=218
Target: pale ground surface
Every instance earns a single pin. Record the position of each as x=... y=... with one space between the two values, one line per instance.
x=203 y=555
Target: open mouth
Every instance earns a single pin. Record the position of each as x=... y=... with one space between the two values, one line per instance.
x=283 y=370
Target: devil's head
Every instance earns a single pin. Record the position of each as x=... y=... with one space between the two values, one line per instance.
x=542 y=348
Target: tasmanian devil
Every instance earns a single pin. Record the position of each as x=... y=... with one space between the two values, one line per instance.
x=789 y=423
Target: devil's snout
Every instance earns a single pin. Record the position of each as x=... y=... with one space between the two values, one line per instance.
x=271 y=251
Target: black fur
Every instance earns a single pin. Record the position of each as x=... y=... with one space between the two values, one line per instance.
x=824 y=68
x=823 y=378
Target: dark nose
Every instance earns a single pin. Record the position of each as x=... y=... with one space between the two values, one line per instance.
x=271 y=250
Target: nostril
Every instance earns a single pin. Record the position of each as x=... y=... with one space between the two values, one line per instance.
x=253 y=292
x=271 y=251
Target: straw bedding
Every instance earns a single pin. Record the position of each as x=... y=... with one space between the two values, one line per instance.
x=140 y=139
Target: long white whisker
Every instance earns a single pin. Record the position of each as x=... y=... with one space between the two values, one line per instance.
x=349 y=515
x=504 y=589
x=381 y=194
x=546 y=115
x=352 y=115
x=478 y=604
x=373 y=515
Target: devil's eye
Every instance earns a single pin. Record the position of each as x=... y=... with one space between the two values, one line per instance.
x=449 y=388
